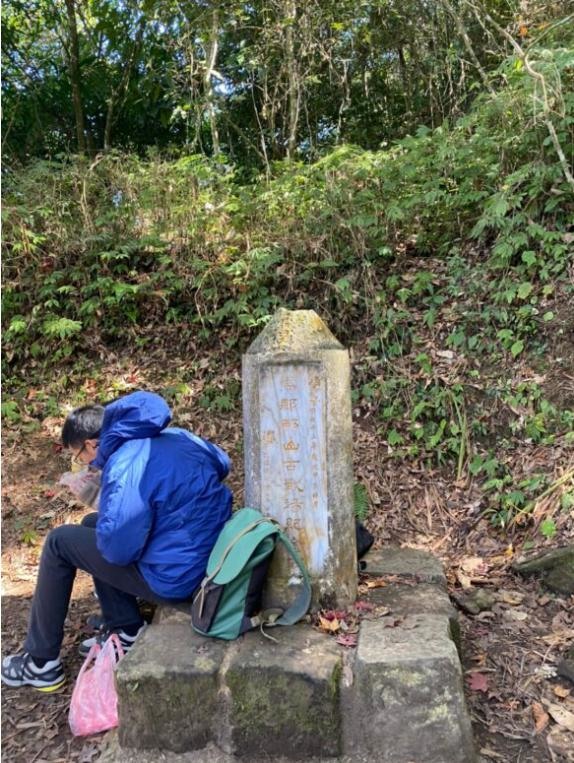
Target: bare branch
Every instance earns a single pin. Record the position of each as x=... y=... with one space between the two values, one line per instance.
x=538 y=77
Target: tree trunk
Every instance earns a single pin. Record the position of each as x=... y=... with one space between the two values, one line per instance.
x=74 y=71
x=293 y=92
x=211 y=58
x=118 y=94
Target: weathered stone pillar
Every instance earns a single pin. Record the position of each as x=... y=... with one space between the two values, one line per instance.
x=298 y=452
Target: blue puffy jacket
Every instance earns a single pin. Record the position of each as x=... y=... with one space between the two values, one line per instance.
x=163 y=502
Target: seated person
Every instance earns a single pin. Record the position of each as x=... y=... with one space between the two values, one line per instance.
x=162 y=506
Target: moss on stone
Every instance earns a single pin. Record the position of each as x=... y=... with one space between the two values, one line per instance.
x=278 y=712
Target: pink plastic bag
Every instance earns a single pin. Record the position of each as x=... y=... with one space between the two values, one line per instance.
x=94 y=705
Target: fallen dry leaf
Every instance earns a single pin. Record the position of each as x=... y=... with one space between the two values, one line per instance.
x=474 y=565
x=334 y=614
x=560 y=742
x=540 y=716
x=463 y=579
x=518 y=615
x=562 y=717
x=511 y=597
x=558 y=637
x=329 y=626
x=561 y=691
x=376 y=583
x=347 y=639
x=477 y=682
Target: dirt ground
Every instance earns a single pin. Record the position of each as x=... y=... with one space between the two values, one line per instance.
x=521 y=710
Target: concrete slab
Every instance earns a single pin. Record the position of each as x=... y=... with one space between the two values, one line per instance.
x=112 y=752
x=417 y=599
x=410 y=563
x=397 y=698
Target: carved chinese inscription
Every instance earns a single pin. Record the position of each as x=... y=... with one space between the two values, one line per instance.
x=298 y=454
x=293 y=455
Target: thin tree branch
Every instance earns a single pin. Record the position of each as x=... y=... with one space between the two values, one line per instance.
x=538 y=77
x=468 y=45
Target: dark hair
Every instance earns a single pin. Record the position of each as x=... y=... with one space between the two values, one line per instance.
x=82 y=424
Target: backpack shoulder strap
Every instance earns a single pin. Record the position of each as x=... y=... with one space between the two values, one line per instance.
x=238 y=539
x=302 y=601
x=234 y=549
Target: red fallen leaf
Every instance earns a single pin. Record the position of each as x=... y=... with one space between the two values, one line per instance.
x=49 y=493
x=334 y=614
x=347 y=639
x=477 y=682
x=364 y=606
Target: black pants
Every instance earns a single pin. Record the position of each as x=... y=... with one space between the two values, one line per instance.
x=67 y=549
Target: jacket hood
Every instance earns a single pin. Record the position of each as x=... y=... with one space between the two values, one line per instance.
x=133 y=417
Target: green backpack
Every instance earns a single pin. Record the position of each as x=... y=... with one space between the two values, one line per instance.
x=228 y=601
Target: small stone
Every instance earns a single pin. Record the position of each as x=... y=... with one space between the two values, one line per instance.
x=483 y=599
x=561 y=578
x=475 y=602
x=557 y=567
x=515 y=615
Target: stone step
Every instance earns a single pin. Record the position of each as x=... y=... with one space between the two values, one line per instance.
x=407 y=563
x=406 y=696
x=178 y=691
x=299 y=696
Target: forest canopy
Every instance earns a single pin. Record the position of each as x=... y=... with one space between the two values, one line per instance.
x=255 y=81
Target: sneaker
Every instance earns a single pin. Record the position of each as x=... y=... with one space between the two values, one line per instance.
x=96 y=623
x=126 y=641
x=21 y=670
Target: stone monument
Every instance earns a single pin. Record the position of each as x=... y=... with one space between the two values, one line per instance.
x=298 y=452
x=395 y=698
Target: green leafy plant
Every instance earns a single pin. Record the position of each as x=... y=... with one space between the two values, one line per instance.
x=360 y=501
x=548 y=528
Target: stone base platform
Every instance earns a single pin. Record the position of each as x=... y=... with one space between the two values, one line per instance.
x=396 y=698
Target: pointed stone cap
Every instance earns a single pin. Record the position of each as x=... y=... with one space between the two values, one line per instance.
x=294 y=331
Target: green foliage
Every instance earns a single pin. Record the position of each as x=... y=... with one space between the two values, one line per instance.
x=221 y=399
x=548 y=528
x=11 y=411
x=95 y=250
x=362 y=74
x=360 y=501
